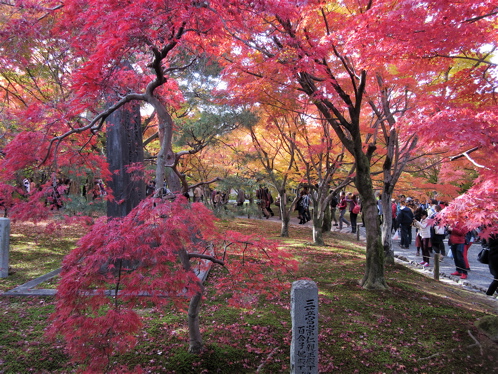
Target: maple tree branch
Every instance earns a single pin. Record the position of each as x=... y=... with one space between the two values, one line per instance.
x=234 y=35
x=50 y=10
x=95 y=125
x=204 y=183
x=453 y=158
x=478 y=60
x=205 y=257
x=466 y=155
x=8 y=91
x=325 y=21
x=478 y=18
x=151 y=138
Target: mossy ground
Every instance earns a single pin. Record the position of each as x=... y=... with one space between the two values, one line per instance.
x=418 y=325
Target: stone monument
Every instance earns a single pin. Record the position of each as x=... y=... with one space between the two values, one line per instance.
x=304 y=313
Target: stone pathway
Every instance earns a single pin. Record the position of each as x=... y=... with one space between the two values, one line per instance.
x=478 y=279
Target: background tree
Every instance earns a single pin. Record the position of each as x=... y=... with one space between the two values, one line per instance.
x=333 y=52
x=324 y=167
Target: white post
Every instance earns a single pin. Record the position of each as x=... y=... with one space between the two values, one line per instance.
x=304 y=313
x=4 y=247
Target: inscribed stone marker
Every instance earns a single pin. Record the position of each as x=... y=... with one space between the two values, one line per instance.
x=4 y=247
x=304 y=313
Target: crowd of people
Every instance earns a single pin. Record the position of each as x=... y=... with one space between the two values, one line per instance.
x=430 y=237
x=408 y=215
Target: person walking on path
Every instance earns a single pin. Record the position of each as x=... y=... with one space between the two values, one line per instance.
x=394 y=209
x=354 y=209
x=438 y=234
x=469 y=239
x=457 y=240
x=343 y=204
x=303 y=207
x=198 y=194
x=492 y=243
x=405 y=220
x=425 y=236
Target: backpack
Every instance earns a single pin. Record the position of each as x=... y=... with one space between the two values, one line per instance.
x=298 y=203
x=405 y=216
x=304 y=201
x=356 y=209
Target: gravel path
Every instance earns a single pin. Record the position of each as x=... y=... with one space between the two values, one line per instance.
x=479 y=276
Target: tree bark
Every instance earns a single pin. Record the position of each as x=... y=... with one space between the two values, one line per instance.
x=284 y=214
x=124 y=147
x=327 y=219
x=374 y=271
x=196 y=344
x=387 y=228
x=166 y=156
x=318 y=222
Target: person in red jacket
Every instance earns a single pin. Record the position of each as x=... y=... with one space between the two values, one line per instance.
x=457 y=240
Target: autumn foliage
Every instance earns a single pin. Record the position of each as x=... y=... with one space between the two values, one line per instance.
x=382 y=74
x=153 y=257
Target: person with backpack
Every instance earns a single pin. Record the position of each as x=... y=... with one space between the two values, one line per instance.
x=343 y=204
x=303 y=207
x=354 y=210
x=457 y=240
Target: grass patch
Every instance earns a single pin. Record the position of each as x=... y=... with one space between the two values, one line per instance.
x=419 y=325
x=37 y=249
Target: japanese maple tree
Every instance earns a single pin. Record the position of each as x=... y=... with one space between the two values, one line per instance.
x=148 y=253
x=154 y=256
x=334 y=53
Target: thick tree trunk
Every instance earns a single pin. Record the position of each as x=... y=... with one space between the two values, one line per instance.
x=285 y=214
x=374 y=270
x=195 y=345
x=317 y=226
x=318 y=235
x=327 y=220
x=387 y=229
x=166 y=156
x=124 y=147
x=173 y=182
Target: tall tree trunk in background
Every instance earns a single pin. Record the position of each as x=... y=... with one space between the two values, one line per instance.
x=327 y=219
x=317 y=224
x=173 y=181
x=374 y=271
x=285 y=213
x=124 y=148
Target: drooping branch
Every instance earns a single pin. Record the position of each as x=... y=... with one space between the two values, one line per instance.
x=466 y=155
x=193 y=186
x=95 y=124
x=206 y=257
x=478 y=18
